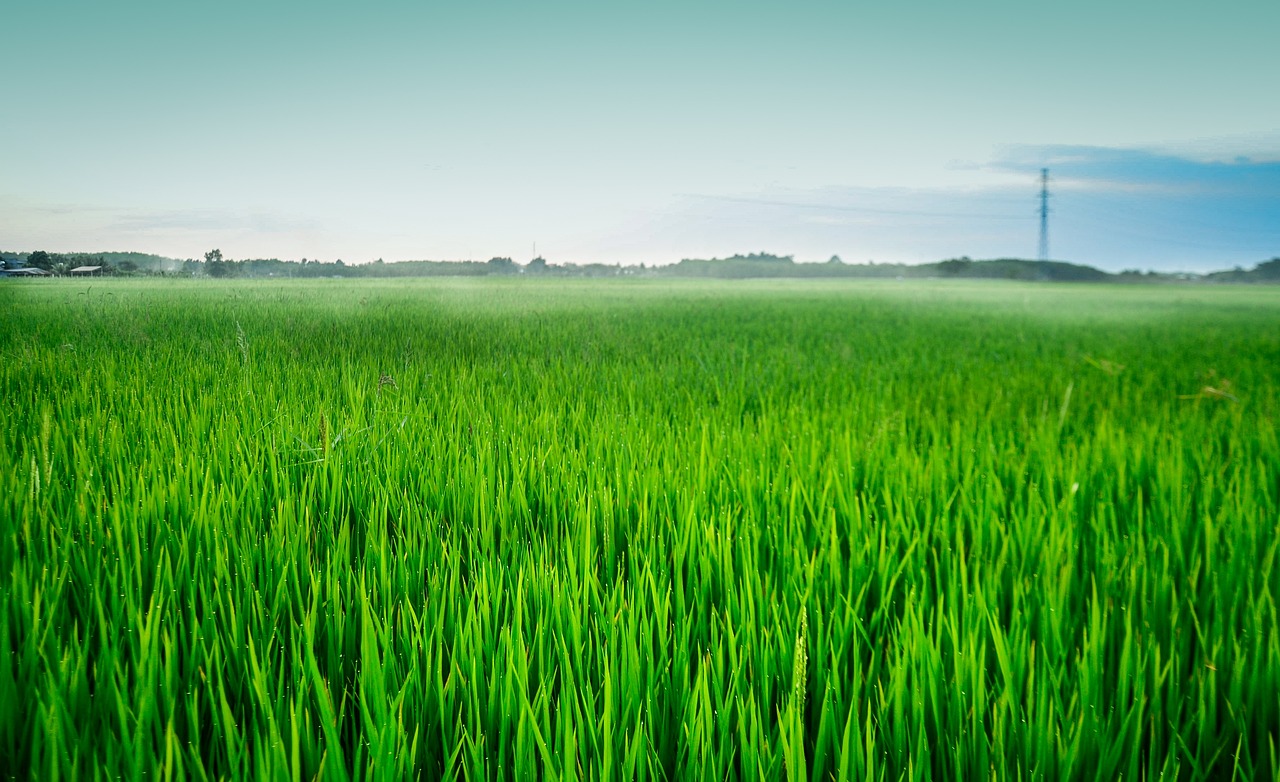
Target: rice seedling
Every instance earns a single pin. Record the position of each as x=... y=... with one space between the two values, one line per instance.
x=639 y=530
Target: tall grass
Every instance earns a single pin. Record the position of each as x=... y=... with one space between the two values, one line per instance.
x=580 y=530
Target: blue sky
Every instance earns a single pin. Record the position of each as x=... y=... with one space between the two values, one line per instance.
x=643 y=132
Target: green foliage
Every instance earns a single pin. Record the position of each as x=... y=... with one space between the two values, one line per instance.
x=1267 y=271
x=462 y=529
x=956 y=267
x=766 y=265
x=40 y=259
x=497 y=265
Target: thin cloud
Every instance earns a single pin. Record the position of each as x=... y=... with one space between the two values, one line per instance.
x=137 y=220
x=1136 y=170
x=144 y=221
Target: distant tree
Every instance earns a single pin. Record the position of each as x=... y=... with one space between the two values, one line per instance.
x=127 y=266
x=538 y=264
x=762 y=257
x=498 y=265
x=215 y=266
x=1268 y=270
x=41 y=260
x=835 y=260
x=955 y=266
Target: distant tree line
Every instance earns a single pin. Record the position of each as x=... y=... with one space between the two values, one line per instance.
x=1267 y=271
x=740 y=266
x=768 y=265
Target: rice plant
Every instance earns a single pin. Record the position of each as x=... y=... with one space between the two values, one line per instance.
x=457 y=529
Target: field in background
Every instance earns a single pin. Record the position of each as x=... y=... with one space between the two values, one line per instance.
x=638 y=530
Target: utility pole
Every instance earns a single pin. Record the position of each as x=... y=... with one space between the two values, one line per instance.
x=1044 y=214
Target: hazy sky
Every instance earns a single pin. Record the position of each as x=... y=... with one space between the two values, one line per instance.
x=646 y=132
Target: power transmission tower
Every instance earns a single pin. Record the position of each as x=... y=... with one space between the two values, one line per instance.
x=1044 y=214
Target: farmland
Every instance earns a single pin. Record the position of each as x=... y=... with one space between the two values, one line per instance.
x=644 y=529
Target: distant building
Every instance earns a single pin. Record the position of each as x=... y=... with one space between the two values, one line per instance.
x=28 y=271
x=87 y=271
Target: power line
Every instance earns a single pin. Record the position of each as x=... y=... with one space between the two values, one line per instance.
x=857 y=209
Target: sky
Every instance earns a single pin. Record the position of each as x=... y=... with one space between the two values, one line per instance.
x=643 y=132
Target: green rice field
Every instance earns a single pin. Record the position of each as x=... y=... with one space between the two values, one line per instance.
x=638 y=529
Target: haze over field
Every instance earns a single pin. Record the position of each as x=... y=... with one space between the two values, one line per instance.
x=643 y=133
